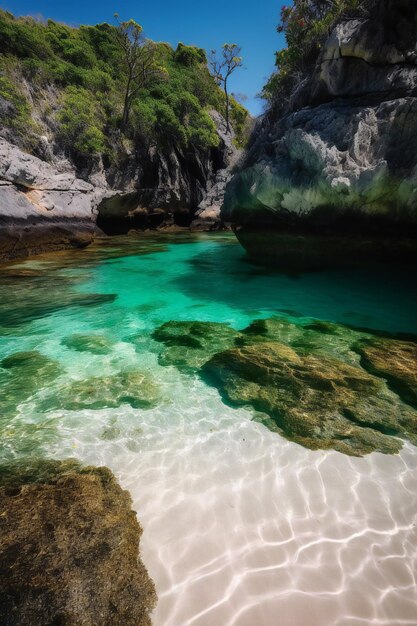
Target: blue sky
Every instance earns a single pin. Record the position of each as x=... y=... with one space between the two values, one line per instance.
x=207 y=24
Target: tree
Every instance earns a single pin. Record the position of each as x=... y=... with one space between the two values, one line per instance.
x=222 y=67
x=140 y=57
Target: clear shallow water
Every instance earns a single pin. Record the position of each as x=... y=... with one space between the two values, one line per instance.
x=241 y=527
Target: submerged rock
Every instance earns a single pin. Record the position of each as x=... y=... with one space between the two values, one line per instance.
x=394 y=360
x=305 y=379
x=96 y=344
x=42 y=295
x=101 y=392
x=69 y=549
x=317 y=401
x=191 y=344
x=22 y=374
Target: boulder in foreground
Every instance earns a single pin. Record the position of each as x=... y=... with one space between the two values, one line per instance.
x=69 y=549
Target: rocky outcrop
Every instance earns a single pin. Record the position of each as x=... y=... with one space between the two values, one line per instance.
x=396 y=361
x=54 y=205
x=317 y=402
x=207 y=216
x=305 y=380
x=333 y=177
x=69 y=549
x=42 y=208
x=163 y=188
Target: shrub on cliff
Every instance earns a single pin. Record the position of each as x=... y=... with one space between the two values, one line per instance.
x=306 y=24
x=82 y=69
x=81 y=122
x=174 y=117
x=15 y=111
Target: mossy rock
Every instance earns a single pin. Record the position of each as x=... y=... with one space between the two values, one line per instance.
x=270 y=329
x=317 y=336
x=318 y=401
x=22 y=374
x=69 y=546
x=191 y=344
x=94 y=343
x=394 y=360
x=135 y=388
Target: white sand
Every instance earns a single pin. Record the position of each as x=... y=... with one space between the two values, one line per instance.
x=244 y=528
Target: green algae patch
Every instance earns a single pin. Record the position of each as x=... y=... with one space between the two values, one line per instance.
x=394 y=360
x=319 y=402
x=93 y=343
x=191 y=344
x=22 y=374
x=136 y=388
x=318 y=337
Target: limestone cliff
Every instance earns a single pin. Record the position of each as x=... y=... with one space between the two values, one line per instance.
x=48 y=206
x=333 y=175
x=73 y=154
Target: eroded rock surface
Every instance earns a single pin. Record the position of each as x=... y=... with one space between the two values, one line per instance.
x=94 y=343
x=190 y=344
x=42 y=208
x=394 y=360
x=305 y=379
x=332 y=177
x=320 y=402
x=69 y=549
x=135 y=388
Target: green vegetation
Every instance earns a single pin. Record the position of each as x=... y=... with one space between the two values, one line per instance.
x=15 y=110
x=306 y=24
x=80 y=123
x=79 y=82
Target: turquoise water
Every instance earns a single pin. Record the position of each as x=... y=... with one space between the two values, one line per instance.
x=199 y=471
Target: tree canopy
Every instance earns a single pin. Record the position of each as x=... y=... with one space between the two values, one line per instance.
x=83 y=73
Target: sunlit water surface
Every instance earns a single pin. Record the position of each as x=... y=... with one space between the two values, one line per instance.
x=241 y=527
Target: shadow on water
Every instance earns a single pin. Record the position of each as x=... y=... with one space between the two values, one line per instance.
x=378 y=298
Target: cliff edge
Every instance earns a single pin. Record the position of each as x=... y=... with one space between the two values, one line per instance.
x=332 y=175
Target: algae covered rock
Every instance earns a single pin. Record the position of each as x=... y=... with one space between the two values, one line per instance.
x=190 y=344
x=394 y=360
x=21 y=376
x=69 y=549
x=100 y=392
x=317 y=401
x=305 y=379
x=94 y=343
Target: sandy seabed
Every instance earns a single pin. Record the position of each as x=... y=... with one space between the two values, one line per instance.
x=241 y=527
x=244 y=528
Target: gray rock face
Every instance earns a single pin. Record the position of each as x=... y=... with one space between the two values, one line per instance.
x=47 y=207
x=207 y=216
x=346 y=164
x=171 y=187
x=40 y=207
